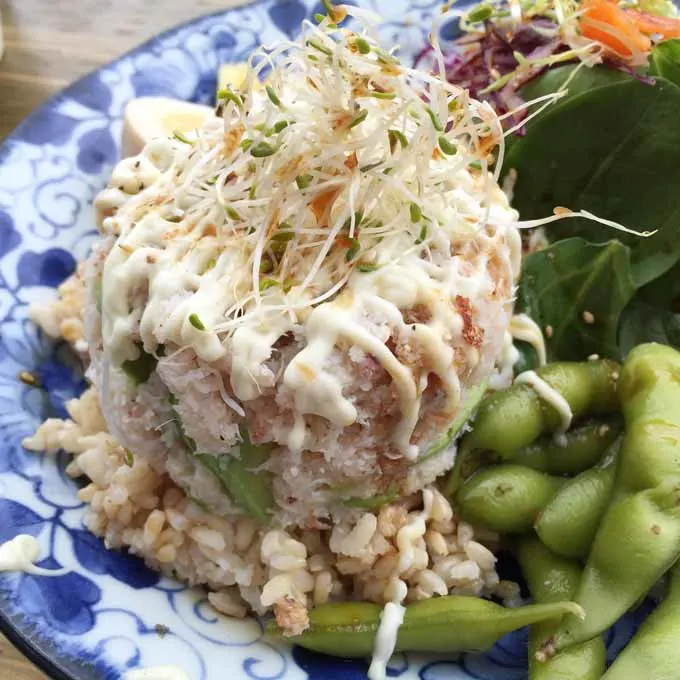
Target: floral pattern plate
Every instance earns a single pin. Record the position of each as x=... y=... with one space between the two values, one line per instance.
x=109 y=613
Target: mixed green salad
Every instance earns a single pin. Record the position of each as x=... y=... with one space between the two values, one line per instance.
x=610 y=145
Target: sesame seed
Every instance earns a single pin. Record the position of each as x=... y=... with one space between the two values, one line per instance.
x=29 y=379
x=588 y=317
x=548 y=332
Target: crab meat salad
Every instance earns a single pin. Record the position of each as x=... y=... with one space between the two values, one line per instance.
x=310 y=391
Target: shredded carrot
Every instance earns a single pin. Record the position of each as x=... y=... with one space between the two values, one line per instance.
x=609 y=24
x=653 y=24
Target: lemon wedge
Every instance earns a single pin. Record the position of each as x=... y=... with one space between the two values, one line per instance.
x=147 y=118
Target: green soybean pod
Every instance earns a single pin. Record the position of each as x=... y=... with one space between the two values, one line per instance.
x=454 y=623
x=512 y=419
x=568 y=523
x=506 y=498
x=583 y=446
x=636 y=543
x=551 y=578
x=638 y=539
x=654 y=651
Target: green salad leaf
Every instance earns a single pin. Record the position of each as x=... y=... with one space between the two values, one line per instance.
x=613 y=148
x=665 y=61
x=576 y=292
x=653 y=315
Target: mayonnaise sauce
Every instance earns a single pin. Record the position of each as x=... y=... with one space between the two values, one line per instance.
x=550 y=395
x=523 y=327
x=391 y=618
x=20 y=553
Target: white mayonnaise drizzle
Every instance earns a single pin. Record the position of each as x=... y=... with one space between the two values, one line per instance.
x=391 y=618
x=550 y=395
x=20 y=553
x=157 y=673
x=523 y=327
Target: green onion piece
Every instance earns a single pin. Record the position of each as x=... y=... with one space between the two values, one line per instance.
x=367 y=267
x=383 y=95
x=267 y=283
x=262 y=150
x=362 y=45
x=479 y=14
x=196 y=322
x=212 y=180
x=358 y=118
x=318 y=46
x=273 y=98
x=319 y=18
x=246 y=144
x=328 y=6
x=181 y=138
x=288 y=284
x=252 y=190
x=396 y=137
x=128 y=458
x=353 y=250
x=230 y=96
x=303 y=181
x=415 y=212
x=210 y=265
x=447 y=147
x=452 y=105
x=423 y=235
x=437 y=124
x=232 y=213
x=475 y=165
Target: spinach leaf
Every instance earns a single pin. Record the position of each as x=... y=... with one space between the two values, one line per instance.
x=653 y=315
x=249 y=488
x=613 y=150
x=665 y=61
x=577 y=290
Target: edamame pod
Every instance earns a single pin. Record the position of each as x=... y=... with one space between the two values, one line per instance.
x=583 y=446
x=650 y=400
x=639 y=537
x=568 y=523
x=506 y=498
x=654 y=651
x=636 y=543
x=510 y=420
x=551 y=579
x=454 y=623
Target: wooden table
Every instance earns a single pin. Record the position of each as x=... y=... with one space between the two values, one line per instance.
x=48 y=44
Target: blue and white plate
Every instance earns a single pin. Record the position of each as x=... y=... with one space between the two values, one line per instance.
x=101 y=618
